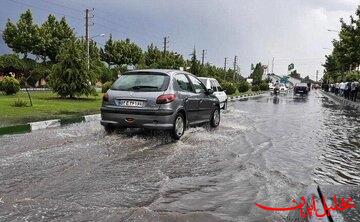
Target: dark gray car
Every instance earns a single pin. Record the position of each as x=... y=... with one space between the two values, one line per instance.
x=159 y=99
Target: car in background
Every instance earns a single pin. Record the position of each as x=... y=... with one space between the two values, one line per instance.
x=159 y=99
x=283 y=88
x=301 y=90
x=211 y=83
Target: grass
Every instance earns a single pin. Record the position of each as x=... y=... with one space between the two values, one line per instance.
x=46 y=105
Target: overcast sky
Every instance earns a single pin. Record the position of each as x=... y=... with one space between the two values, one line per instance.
x=254 y=30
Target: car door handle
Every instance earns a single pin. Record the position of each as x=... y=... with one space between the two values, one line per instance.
x=201 y=100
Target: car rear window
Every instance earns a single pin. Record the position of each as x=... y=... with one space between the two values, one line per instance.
x=142 y=81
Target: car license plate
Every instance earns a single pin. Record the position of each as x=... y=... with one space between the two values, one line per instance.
x=131 y=103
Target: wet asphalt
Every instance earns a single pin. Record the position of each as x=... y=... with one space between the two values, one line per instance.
x=265 y=150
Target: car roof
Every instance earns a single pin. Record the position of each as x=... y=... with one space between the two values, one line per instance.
x=169 y=72
x=207 y=78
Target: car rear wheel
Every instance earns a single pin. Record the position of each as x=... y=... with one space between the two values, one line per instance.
x=215 y=118
x=179 y=127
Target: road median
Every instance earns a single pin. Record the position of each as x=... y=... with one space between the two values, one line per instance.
x=33 y=126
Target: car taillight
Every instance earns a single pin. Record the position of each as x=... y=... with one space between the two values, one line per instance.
x=105 y=97
x=167 y=98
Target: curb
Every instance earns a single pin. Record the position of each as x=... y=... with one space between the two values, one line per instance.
x=342 y=100
x=237 y=98
x=33 y=126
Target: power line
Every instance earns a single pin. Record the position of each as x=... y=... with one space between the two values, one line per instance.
x=61 y=5
x=47 y=10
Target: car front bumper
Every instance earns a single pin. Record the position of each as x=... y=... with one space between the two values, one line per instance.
x=131 y=118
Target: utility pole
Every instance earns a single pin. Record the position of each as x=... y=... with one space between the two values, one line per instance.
x=166 y=41
x=272 y=66
x=203 y=56
x=87 y=36
x=225 y=67
x=235 y=65
x=317 y=75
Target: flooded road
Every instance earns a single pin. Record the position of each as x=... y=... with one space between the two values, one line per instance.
x=264 y=151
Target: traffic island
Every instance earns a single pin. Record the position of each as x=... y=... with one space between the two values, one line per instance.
x=33 y=126
x=245 y=95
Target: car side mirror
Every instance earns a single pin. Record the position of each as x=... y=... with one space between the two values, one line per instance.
x=210 y=91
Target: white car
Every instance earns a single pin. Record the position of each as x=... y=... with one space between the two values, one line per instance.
x=213 y=84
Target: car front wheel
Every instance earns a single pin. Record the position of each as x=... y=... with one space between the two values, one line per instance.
x=108 y=128
x=215 y=118
x=225 y=105
x=179 y=127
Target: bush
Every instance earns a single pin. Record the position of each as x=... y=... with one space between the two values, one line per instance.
x=243 y=86
x=20 y=103
x=106 y=86
x=264 y=86
x=255 y=88
x=10 y=85
x=229 y=87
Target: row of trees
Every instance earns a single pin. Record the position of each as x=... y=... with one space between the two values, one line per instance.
x=344 y=61
x=52 y=52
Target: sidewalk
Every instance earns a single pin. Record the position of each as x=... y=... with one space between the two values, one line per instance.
x=342 y=100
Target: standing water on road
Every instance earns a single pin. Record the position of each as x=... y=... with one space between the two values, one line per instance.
x=264 y=151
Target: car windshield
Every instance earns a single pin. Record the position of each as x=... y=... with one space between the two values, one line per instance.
x=142 y=81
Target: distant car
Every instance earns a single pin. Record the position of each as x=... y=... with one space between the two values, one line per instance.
x=211 y=83
x=283 y=88
x=159 y=99
x=301 y=89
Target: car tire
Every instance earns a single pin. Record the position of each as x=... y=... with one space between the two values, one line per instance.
x=179 y=127
x=225 y=105
x=215 y=118
x=108 y=128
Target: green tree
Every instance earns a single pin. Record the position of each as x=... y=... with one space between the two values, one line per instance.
x=121 y=52
x=52 y=34
x=194 y=64
x=257 y=74
x=70 y=76
x=23 y=36
x=152 y=56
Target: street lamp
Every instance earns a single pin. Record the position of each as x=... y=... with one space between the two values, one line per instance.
x=100 y=35
x=333 y=30
x=88 y=48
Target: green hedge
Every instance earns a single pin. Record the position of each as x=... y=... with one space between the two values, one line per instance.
x=243 y=86
x=255 y=88
x=9 y=85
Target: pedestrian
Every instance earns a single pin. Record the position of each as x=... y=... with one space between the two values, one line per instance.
x=342 y=88
x=347 y=90
x=337 y=88
x=355 y=92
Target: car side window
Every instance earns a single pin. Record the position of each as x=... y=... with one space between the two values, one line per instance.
x=213 y=86
x=183 y=82
x=198 y=85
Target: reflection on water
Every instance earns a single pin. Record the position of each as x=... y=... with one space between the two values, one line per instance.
x=263 y=152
